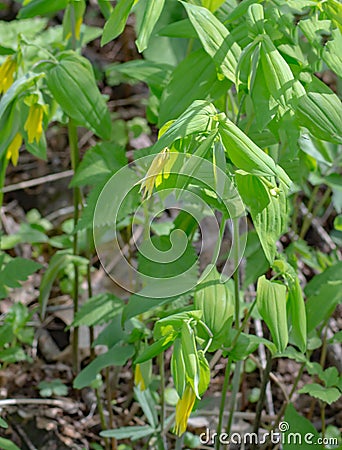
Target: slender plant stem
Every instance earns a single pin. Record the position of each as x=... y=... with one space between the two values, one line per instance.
x=265 y=380
x=109 y=406
x=323 y=405
x=219 y=241
x=236 y=275
x=237 y=318
x=2 y=179
x=179 y=443
x=102 y=416
x=73 y=26
x=74 y=153
x=235 y=390
x=223 y=401
x=162 y=396
x=312 y=214
x=286 y=403
x=295 y=212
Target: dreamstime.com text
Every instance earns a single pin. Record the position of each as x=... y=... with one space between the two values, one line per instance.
x=281 y=436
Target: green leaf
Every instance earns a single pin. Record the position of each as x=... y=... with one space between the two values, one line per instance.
x=327 y=395
x=271 y=303
x=116 y=356
x=117 y=21
x=133 y=433
x=3 y=423
x=27 y=233
x=12 y=355
x=97 y=310
x=297 y=315
x=302 y=426
x=331 y=53
x=156 y=348
x=181 y=29
x=330 y=377
x=277 y=74
x=194 y=78
x=320 y=111
x=338 y=223
x=99 y=164
x=152 y=12
x=148 y=405
x=246 y=155
x=41 y=8
x=215 y=39
x=6 y=444
x=323 y=294
x=154 y=74
x=256 y=261
x=53 y=387
x=72 y=83
x=196 y=119
x=247 y=344
x=271 y=222
x=57 y=263
x=138 y=305
x=17 y=269
x=253 y=192
x=217 y=303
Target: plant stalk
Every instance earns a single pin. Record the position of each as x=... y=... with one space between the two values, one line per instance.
x=162 y=396
x=223 y=400
x=74 y=154
x=265 y=380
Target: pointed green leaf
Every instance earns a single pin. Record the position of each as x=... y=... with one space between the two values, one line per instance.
x=215 y=39
x=72 y=83
x=152 y=13
x=200 y=82
x=117 y=21
x=271 y=303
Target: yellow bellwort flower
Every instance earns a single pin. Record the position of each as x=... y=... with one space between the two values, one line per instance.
x=13 y=149
x=183 y=410
x=7 y=71
x=138 y=378
x=159 y=169
x=34 y=123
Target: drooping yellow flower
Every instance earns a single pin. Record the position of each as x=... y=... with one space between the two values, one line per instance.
x=183 y=410
x=13 y=149
x=7 y=71
x=159 y=169
x=138 y=378
x=34 y=123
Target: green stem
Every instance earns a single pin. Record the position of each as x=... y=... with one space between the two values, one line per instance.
x=309 y=217
x=265 y=380
x=74 y=154
x=109 y=406
x=102 y=416
x=179 y=443
x=323 y=418
x=235 y=390
x=2 y=179
x=73 y=26
x=286 y=403
x=162 y=396
x=223 y=401
x=218 y=242
x=236 y=380
x=236 y=274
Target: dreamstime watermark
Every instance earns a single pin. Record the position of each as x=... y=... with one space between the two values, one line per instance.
x=282 y=435
x=194 y=190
